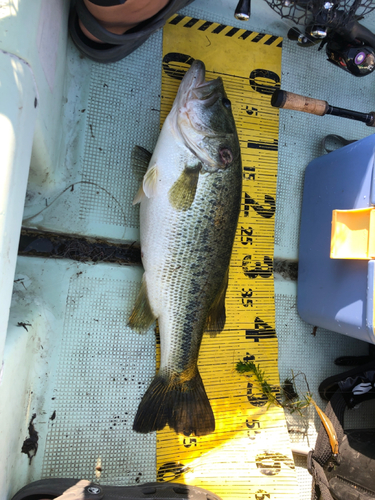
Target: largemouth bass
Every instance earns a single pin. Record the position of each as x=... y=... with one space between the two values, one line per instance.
x=190 y=200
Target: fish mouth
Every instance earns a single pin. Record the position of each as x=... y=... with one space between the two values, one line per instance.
x=195 y=86
x=194 y=77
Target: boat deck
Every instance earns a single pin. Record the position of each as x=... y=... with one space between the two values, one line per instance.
x=68 y=322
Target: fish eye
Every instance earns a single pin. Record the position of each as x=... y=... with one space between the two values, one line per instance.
x=226 y=102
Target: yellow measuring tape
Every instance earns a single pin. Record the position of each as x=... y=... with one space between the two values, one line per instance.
x=248 y=455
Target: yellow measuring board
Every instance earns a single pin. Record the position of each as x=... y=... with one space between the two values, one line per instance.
x=248 y=456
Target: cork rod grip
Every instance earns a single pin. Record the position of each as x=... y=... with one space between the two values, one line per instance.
x=288 y=100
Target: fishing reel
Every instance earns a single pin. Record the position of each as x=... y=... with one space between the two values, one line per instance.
x=333 y=24
x=352 y=56
x=359 y=60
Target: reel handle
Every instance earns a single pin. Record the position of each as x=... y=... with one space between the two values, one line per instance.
x=288 y=100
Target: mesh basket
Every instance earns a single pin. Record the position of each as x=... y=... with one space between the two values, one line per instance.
x=332 y=13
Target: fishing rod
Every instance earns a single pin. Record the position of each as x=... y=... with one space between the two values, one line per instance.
x=288 y=100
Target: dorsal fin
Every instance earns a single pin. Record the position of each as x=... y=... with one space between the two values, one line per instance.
x=140 y=159
x=139 y=196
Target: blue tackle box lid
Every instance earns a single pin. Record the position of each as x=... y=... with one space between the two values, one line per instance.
x=336 y=294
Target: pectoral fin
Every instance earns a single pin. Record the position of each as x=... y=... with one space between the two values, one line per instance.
x=182 y=193
x=142 y=316
x=216 y=316
x=149 y=184
x=150 y=181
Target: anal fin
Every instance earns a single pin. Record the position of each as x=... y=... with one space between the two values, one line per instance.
x=216 y=316
x=142 y=316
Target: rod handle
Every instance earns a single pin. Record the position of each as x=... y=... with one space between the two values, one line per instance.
x=288 y=100
x=371 y=122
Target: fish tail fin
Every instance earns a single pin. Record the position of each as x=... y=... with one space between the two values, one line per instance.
x=183 y=405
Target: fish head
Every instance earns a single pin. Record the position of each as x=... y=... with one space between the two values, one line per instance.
x=204 y=119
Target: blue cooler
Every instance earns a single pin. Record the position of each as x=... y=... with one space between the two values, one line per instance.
x=338 y=293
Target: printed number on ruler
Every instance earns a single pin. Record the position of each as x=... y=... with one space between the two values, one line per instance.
x=270 y=464
x=253 y=428
x=264 y=211
x=261 y=399
x=190 y=442
x=262 y=495
x=170 y=471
